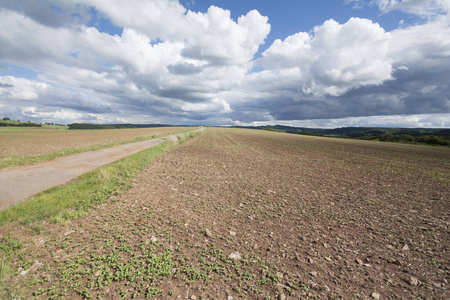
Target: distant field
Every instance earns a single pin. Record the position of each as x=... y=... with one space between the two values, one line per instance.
x=44 y=128
x=6 y=126
x=17 y=141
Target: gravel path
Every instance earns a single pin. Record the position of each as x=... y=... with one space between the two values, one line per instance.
x=20 y=183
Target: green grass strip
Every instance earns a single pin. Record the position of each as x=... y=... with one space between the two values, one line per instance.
x=12 y=161
x=75 y=200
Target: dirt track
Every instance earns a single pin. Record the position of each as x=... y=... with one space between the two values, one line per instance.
x=20 y=183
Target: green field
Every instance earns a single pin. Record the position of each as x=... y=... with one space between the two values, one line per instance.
x=18 y=126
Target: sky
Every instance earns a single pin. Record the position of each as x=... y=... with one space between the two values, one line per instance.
x=308 y=63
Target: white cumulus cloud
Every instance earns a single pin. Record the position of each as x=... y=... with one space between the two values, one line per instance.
x=217 y=39
x=334 y=57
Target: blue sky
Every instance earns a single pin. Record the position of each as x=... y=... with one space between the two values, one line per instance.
x=288 y=17
x=252 y=62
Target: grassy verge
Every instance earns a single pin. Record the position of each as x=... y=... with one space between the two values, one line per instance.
x=64 y=203
x=12 y=161
x=69 y=201
x=74 y=200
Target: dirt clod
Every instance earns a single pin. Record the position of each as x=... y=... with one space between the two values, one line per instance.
x=235 y=255
x=413 y=281
x=375 y=296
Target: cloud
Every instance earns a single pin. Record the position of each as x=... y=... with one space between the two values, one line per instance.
x=419 y=120
x=29 y=93
x=6 y=85
x=184 y=68
x=173 y=65
x=161 y=19
x=52 y=13
x=335 y=57
x=357 y=4
x=354 y=69
x=218 y=40
x=423 y=8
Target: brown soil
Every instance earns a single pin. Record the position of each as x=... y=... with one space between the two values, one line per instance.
x=253 y=214
x=41 y=142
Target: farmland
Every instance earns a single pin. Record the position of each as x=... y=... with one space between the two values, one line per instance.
x=39 y=141
x=253 y=214
x=36 y=144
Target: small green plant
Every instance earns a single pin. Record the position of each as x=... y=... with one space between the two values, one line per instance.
x=8 y=250
x=39 y=291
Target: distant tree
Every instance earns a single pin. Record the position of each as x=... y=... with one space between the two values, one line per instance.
x=94 y=126
x=6 y=119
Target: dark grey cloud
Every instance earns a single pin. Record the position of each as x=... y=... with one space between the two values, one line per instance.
x=6 y=85
x=418 y=90
x=77 y=103
x=213 y=59
x=43 y=12
x=192 y=95
x=184 y=69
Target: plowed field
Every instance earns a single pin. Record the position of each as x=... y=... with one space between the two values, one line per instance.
x=260 y=215
x=40 y=142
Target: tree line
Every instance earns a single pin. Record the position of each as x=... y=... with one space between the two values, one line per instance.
x=95 y=126
x=405 y=138
x=6 y=122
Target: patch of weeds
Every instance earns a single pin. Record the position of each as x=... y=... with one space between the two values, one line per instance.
x=39 y=291
x=269 y=278
x=35 y=230
x=8 y=245
x=122 y=292
x=8 y=251
x=441 y=175
x=192 y=273
x=151 y=292
x=90 y=275
x=27 y=265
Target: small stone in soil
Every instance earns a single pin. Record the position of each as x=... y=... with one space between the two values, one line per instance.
x=235 y=255
x=413 y=281
x=437 y=285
